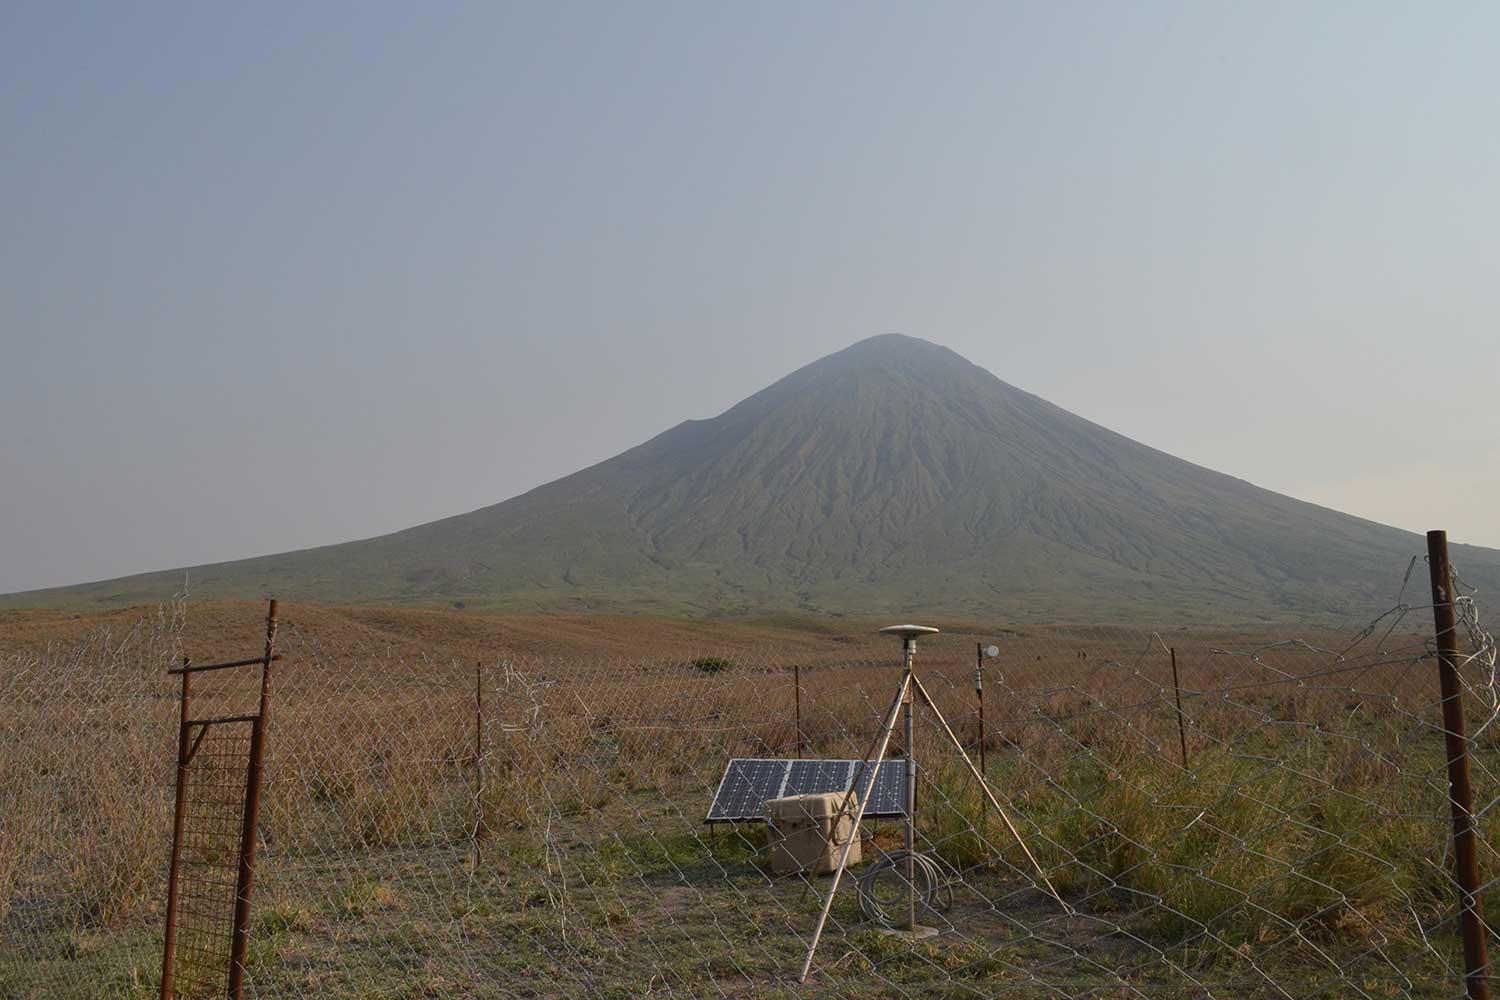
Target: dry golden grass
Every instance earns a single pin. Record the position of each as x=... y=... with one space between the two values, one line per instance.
x=224 y=629
x=1312 y=808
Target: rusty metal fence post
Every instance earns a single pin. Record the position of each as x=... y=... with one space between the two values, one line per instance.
x=479 y=824
x=797 y=684
x=1177 y=691
x=252 y=817
x=979 y=696
x=1460 y=793
x=169 y=935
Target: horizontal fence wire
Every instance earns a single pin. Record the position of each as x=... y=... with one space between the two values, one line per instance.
x=534 y=826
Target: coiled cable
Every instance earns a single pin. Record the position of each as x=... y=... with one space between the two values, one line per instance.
x=934 y=886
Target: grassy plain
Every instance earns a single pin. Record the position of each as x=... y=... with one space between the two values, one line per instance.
x=560 y=850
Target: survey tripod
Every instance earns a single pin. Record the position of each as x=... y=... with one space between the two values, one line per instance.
x=902 y=705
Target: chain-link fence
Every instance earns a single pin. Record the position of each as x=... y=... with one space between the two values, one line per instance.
x=1276 y=823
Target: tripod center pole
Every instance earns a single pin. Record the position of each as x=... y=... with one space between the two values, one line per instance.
x=911 y=796
x=908 y=635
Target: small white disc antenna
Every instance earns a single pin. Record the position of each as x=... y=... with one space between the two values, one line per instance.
x=908 y=632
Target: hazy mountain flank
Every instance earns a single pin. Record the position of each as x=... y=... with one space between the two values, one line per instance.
x=892 y=476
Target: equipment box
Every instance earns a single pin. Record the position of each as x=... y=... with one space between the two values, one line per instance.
x=803 y=835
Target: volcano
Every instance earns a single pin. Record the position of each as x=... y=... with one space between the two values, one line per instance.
x=893 y=476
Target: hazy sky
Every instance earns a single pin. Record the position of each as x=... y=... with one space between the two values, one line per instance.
x=279 y=276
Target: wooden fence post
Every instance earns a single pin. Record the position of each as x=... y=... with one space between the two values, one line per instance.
x=1460 y=793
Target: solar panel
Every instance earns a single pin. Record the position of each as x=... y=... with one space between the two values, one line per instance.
x=749 y=782
x=888 y=799
x=807 y=776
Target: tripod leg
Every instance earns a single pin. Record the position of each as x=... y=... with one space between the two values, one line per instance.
x=985 y=787
x=877 y=754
